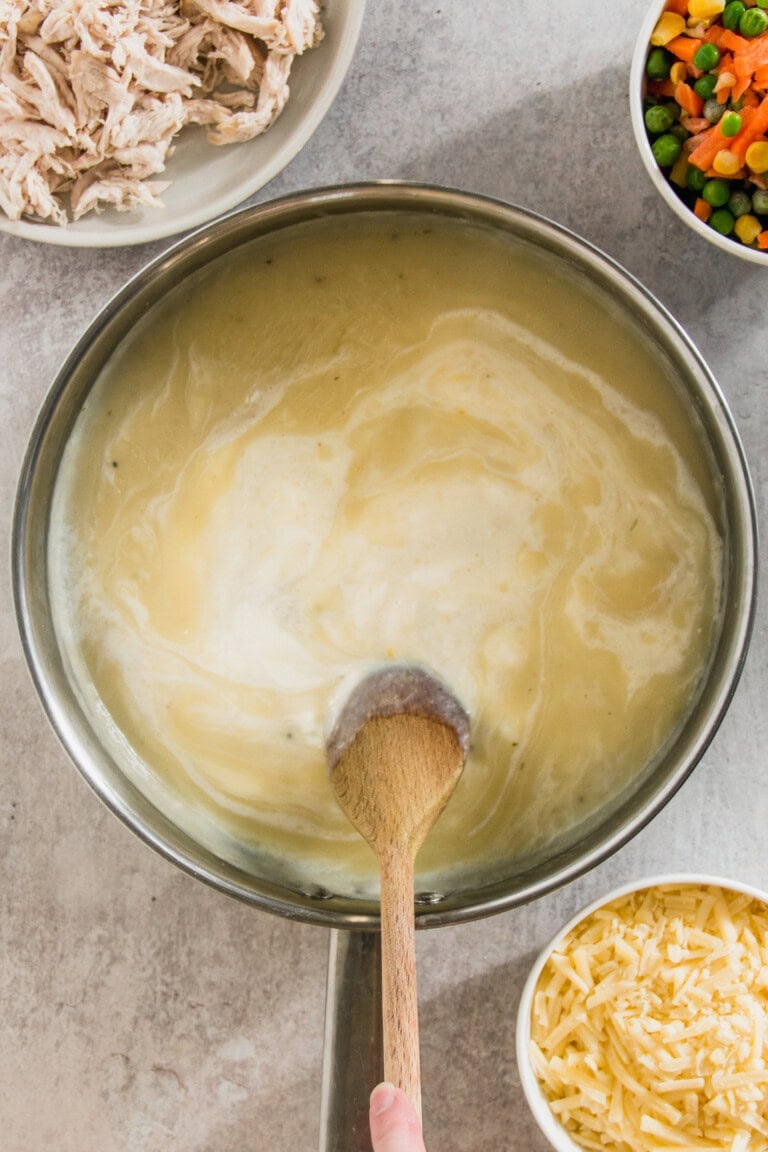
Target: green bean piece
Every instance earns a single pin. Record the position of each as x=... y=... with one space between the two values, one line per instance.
x=715 y=192
x=696 y=179
x=658 y=64
x=722 y=222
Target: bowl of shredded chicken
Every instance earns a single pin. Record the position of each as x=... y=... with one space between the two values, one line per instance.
x=124 y=122
x=644 y=1025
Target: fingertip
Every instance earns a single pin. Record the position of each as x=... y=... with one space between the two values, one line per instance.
x=382 y=1098
x=395 y=1123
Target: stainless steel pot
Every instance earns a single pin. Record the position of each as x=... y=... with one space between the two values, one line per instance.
x=352 y=1047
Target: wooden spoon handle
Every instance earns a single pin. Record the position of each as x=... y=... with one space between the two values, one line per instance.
x=398 y=967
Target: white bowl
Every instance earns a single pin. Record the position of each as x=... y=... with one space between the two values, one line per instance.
x=209 y=180
x=636 y=93
x=550 y=1126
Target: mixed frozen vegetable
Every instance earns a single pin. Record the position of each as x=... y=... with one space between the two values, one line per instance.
x=706 y=111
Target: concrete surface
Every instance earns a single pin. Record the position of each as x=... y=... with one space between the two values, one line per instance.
x=141 y=1012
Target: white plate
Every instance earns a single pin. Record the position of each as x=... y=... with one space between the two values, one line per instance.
x=209 y=180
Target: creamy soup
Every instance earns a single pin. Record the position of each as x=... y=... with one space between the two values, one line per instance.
x=384 y=439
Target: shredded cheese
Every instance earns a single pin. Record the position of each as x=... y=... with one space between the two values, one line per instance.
x=648 y=1024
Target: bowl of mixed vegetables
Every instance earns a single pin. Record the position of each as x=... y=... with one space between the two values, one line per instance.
x=699 y=104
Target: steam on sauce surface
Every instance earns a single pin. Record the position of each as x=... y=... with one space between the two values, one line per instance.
x=379 y=438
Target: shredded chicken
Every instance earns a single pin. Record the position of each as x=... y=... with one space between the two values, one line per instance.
x=94 y=92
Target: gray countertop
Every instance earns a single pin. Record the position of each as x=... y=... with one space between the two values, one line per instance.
x=139 y=1010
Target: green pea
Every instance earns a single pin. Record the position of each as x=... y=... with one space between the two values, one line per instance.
x=716 y=192
x=707 y=57
x=713 y=109
x=696 y=179
x=760 y=202
x=679 y=131
x=762 y=3
x=666 y=150
x=659 y=119
x=752 y=23
x=730 y=124
x=739 y=203
x=732 y=13
x=705 y=85
x=658 y=64
x=722 y=222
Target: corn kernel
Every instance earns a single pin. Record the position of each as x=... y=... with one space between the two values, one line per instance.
x=747 y=228
x=697 y=28
x=705 y=9
x=757 y=156
x=678 y=73
x=670 y=24
x=726 y=163
x=678 y=173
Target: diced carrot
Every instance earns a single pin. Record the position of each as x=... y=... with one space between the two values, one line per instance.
x=661 y=88
x=688 y=100
x=747 y=114
x=749 y=98
x=761 y=76
x=703 y=210
x=752 y=128
x=740 y=87
x=730 y=42
x=695 y=125
x=679 y=6
x=708 y=147
x=714 y=34
x=684 y=47
x=762 y=240
x=755 y=55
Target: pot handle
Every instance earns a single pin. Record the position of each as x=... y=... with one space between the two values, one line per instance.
x=353 y=1061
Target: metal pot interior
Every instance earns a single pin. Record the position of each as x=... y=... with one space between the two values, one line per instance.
x=271 y=883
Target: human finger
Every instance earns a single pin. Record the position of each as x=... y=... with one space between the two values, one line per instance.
x=395 y=1124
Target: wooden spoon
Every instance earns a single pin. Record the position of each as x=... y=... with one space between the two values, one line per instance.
x=396 y=753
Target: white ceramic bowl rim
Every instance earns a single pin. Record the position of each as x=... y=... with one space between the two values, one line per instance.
x=636 y=82
x=208 y=181
x=537 y=1101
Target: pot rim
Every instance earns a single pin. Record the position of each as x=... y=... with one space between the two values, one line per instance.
x=29 y=551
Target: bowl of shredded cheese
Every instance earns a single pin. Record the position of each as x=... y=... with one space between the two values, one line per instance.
x=644 y=1024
